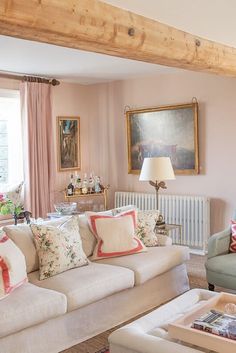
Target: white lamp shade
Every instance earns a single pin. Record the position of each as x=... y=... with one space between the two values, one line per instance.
x=157 y=168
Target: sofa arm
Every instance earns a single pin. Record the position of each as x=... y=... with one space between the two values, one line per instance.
x=218 y=243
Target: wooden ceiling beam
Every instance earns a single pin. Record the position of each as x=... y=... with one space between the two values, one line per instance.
x=92 y=25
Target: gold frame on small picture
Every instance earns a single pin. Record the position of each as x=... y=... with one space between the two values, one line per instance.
x=168 y=131
x=68 y=143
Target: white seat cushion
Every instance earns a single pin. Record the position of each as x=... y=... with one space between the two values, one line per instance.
x=152 y=263
x=29 y=305
x=87 y=284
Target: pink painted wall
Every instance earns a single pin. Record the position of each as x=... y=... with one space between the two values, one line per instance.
x=217 y=126
x=103 y=133
x=70 y=100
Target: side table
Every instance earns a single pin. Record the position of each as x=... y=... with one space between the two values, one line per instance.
x=167 y=228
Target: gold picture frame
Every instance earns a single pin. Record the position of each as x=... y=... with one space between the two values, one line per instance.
x=170 y=131
x=68 y=143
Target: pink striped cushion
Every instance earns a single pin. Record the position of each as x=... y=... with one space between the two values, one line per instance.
x=115 y=234
x=233 y=237
x=12 y=266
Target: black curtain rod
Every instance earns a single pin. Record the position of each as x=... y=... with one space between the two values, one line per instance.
x=52 y=82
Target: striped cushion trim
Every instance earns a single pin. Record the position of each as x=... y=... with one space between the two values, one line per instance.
x=5 y=275
x=5 y=272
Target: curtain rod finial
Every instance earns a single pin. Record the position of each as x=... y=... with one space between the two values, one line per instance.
x=55 y=82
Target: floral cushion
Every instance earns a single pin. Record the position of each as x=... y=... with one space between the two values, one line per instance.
x=59 y=248
x=145 y=228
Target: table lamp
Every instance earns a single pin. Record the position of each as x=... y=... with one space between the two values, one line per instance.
x=156 y=170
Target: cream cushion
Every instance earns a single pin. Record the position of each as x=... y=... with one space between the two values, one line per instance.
x=115 y=234
x=29 y=305
x=22 y=236
x=88 y=284
x=152 y=263
x=87 y=237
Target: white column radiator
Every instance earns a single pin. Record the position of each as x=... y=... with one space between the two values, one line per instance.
x=191 y=212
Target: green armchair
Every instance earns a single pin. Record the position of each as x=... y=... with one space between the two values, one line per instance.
x=221 y=264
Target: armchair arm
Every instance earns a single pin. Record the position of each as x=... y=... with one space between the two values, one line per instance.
x=218 y=244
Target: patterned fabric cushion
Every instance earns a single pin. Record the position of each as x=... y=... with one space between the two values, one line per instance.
x=59 y=248
x=233 y=237
x=12 y=266
x=145 y=227
x=115 y=234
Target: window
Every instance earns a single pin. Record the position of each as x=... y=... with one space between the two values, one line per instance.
x=11 y=161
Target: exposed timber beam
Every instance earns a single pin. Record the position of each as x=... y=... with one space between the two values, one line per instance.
x=92 y=25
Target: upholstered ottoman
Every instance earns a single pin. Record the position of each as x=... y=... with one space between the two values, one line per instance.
x=149 y=334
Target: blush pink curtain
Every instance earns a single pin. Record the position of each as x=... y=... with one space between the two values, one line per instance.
x=38 y=147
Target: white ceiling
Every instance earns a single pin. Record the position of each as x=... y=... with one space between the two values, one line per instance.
x=212 y=19
x=71 y=65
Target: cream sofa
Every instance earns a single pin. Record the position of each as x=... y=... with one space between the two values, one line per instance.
x=59 y=312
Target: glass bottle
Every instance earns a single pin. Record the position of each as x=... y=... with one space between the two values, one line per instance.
x=78 y=185
x=85 y=184
x=97 y=187
x=91 y=183
x=70 y=187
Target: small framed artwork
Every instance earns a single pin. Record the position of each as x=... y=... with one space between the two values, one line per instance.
x=168 y=131
x=68 y=143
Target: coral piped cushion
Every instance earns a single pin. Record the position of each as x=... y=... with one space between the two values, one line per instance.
x=59 y=248
x=232 y=247
x=12 y=266
x=115 y=234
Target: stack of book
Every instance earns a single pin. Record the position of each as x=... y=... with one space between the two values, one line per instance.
x=217 y=323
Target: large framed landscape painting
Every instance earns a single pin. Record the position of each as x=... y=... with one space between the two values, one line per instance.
x=168 y=131
x=68 y=143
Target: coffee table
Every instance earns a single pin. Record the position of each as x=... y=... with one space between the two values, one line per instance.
x=150 y=333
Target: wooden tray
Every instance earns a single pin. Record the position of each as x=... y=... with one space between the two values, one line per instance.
x=181 y=328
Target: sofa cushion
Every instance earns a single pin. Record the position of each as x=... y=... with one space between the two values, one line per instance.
x=12 y=266
x=145 y=227
x=88 y=284
x=22 y=236
x=87 y=237
x=154 y=262
x=115 y=234
x=59 y=248
x=29 y=305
